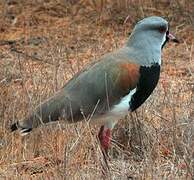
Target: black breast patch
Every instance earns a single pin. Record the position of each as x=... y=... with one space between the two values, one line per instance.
x=149 y=77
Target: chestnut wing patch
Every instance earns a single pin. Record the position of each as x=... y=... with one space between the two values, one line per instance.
x=129 y=76
x=143 y=78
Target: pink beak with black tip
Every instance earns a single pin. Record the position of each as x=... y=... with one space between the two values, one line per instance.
x=171 y=37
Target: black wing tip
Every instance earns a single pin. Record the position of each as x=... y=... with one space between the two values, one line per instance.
x=26 y=130
x=23 y=131
x=14 y=127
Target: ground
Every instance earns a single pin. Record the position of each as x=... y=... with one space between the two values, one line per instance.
x=44 y=43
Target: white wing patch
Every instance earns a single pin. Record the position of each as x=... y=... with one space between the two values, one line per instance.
x=118 y=111
x=122 y=108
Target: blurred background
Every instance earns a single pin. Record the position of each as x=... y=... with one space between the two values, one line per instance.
x=43 y=43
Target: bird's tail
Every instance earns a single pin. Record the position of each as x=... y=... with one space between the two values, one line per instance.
x=50 y=110
x=23 y=130
x=46 y=112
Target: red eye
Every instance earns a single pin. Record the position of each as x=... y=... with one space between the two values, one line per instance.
x=162 y=29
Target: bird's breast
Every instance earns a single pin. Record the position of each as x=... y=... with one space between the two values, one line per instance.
x=149 y=76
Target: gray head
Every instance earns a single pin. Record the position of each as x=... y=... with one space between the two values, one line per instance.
x=151 y=30
x=149 y=36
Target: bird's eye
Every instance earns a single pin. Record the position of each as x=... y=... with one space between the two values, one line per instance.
x=162 y=29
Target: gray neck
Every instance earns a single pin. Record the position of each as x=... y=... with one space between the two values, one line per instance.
x=144 y=49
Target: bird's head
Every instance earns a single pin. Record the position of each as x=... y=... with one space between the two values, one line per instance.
x=152 y=31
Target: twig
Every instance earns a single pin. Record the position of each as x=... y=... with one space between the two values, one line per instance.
x=34 y=58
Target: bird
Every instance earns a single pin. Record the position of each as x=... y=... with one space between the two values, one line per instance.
x=109 y=88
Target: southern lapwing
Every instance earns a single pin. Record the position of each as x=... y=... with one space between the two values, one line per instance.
x=106 y=90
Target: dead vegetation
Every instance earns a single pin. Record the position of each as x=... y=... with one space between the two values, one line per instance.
x=44 y=43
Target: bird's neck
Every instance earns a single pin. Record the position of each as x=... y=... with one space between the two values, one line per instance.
x=147 y=51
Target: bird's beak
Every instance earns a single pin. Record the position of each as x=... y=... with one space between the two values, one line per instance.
x=172 y=38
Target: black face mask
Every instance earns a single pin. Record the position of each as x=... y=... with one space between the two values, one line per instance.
x=167 y=39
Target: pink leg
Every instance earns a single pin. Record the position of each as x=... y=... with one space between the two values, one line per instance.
x=104 y=136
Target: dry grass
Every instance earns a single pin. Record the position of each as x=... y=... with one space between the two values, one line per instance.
x=44 y=43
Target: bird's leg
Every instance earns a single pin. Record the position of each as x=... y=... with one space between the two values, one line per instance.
x=104 y=136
